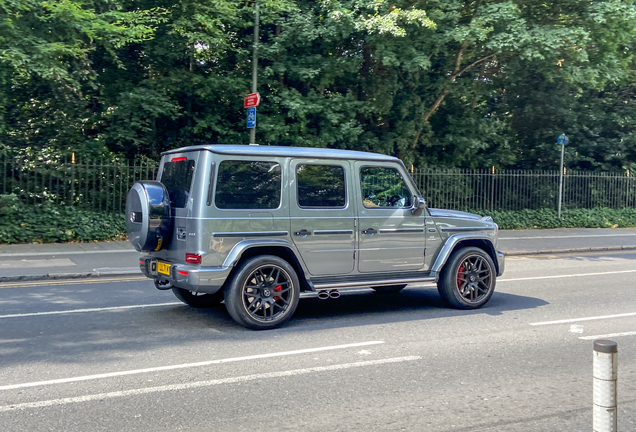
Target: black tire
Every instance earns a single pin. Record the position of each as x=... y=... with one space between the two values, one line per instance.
x=468 y=279
x=198 y=300
x=263 y=293
x=389 y=289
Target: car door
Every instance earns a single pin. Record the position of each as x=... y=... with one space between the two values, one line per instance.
x=391 y=236
x=322 y=217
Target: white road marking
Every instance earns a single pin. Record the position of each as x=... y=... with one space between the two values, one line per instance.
x=574 y=328
x=114 y=308
x=198 y=384
x=567 y=321
x=567 y=276
x=567 y=236
x=606 y=336
x=189 y=365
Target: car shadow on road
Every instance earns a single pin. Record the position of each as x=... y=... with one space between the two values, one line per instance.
x=422 y=303
x=102 y=338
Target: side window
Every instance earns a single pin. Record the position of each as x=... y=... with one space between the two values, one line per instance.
x=248 y=185
x=384 y=188
x=177 y=177
x=320 y=186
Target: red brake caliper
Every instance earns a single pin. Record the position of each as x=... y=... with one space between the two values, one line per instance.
x=459 y=280
x=279 y=288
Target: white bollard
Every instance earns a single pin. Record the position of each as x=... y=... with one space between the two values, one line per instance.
x=605 y=367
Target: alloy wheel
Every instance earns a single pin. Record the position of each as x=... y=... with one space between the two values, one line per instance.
x=267 y=293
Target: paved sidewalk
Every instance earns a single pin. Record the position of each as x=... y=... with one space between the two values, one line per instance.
x=82 y=260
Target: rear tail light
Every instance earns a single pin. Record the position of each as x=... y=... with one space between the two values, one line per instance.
x=193 y=258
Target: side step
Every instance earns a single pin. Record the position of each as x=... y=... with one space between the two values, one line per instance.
x=323 y=283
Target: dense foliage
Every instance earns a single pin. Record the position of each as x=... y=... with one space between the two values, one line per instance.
x=570 y=218
x=50 y=223
x=460 y=83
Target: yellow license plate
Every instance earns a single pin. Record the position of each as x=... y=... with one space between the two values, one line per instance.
x=163 y=268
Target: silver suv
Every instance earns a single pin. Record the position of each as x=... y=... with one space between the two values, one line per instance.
x=255 y=226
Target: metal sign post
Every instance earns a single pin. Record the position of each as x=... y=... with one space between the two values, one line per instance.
x=254 y=75
x=562 y=140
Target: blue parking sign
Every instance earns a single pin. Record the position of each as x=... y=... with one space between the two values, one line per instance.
x=251 y=117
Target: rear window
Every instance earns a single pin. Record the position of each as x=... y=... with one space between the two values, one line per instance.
x=177 y=177
x=248 y=185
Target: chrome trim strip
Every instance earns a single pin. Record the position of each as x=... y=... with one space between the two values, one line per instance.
x=334 y=232
x=462 y=229
x=401 y=230
x=248 y=234
x=372 y=283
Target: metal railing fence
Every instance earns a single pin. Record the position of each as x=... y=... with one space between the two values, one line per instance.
x=102 y=185
x=487 y=190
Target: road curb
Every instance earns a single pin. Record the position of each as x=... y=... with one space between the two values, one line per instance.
x=571 y=250
x=52 y=276
x=121 y=273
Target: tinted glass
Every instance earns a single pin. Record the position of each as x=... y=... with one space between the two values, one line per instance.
x=383 y=187
x=248 y=185
x=177 y=177
x=320 y=186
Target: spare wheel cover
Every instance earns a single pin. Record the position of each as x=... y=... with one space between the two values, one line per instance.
x=148 y=218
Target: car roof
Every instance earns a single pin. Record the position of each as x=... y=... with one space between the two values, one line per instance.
x=306 y=152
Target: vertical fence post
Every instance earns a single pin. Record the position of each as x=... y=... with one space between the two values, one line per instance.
x=627 y=188
x=605 y=367
x=492 y=189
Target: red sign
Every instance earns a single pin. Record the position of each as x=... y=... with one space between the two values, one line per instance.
x=252 y=100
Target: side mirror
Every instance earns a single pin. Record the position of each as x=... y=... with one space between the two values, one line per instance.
x=419 y=204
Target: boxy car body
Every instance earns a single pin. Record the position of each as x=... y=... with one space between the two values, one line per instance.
x=237 y=223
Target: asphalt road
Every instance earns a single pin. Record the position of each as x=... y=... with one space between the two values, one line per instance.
x=116 y=354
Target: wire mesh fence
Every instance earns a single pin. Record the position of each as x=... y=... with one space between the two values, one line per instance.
x=102 y=185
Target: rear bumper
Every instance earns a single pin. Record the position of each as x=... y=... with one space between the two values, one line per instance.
x=190 y=277
x=501 y=263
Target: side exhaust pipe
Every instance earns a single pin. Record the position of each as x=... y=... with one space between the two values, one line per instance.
x=323 y=295
x=334 y=294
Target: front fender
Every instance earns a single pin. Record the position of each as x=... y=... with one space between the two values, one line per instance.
x=455 y=239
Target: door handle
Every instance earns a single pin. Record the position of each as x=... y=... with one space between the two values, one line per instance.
x=369 y=231
x=303 y=233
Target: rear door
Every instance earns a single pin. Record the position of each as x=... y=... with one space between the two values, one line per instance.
x=177 y=172
x=322 y=215
x=391 y=237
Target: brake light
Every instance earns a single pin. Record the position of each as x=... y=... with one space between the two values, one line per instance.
x=193 y=258
x=178 y=159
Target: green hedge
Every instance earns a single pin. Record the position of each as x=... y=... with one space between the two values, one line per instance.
x=576 y=218
x=49 y=223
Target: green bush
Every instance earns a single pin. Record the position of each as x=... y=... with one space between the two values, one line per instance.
x=50 y=223
x=575 y=218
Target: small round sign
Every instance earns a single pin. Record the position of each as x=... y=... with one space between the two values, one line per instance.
x=562 y=139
